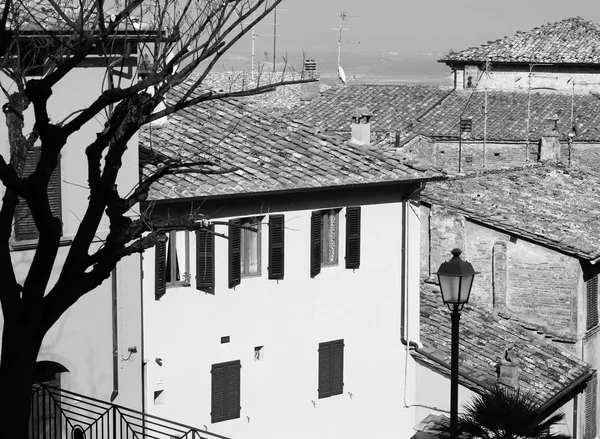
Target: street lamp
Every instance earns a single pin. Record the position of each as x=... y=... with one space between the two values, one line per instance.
x=456 y=279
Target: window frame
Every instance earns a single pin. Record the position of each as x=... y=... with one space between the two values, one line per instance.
x=256 y=222
x=171 y=261
x=336 y=239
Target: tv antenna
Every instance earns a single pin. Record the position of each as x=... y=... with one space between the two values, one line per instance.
x=343 y=17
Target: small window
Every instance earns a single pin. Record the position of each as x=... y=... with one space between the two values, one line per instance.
x=177 y=270
x=331 y=368
x=329 y=237
x=250 y=246
x=590 y=408
x=592 y=301
x=225 y=391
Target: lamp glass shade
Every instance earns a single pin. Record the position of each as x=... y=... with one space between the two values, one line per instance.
x=456 y=279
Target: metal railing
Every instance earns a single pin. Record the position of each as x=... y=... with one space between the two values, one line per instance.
x=60 y=414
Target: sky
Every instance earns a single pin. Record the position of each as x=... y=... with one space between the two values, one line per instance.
x=377 y=26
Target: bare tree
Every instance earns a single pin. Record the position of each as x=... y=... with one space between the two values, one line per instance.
x=41 y=41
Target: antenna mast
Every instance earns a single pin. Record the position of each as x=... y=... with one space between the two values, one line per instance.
x=343 y=17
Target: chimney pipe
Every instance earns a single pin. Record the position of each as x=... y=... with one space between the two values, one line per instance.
x=310 y=90
x=361 y=126
x=549 y=145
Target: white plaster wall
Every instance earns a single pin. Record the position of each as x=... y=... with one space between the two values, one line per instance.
x=290 y=318
x=82 y=339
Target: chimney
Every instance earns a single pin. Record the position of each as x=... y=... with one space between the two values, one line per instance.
x=508 y=368
x=310 y=90
x=361 y=126
x=549 y=145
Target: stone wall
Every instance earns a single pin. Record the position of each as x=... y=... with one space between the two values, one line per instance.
x=515 y=78
x=528 y=281
x=584 y=156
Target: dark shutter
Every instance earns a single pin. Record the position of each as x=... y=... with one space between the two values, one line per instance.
x=232 y=398
x=592 y=301
x=590 y=408
x=217 y=412
x=276 y=246
x=205 y=259
x=337 y=367
x=234 y=253
x=24 y=225
x=160 y=264
x=315 y=244
x=225 y=391
x=353 y=237
x=324 y=370
x=331 y=368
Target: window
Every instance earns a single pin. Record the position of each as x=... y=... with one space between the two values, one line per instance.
x=225 y=391
x=172 y=262
x=324 y=239
x=244 y=249
x=205 y=259
x=592 y=301
x=590 y=408
x=24 y=226
x=250 y=247
x=331 y=368
x=276 y=246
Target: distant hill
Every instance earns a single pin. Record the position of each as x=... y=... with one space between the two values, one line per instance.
x=389 y=67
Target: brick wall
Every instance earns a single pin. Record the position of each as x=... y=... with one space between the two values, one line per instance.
x=536 y=284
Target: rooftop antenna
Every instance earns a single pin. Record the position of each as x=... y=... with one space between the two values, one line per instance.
x=343 y=17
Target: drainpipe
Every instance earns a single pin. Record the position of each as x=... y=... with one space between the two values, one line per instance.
x=115 y=337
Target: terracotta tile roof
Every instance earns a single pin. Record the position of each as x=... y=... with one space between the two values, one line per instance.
x=545 y=369
x=507 y=116
x=395 y=106
x=570 y=41
x=267 y=152
x=552 y=205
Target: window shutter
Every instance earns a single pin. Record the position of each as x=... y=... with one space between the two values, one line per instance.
x=337 y=367
x=160 y=264
x=276 y=246
x=217 y=412
x=205 y=259
x=225 y=391
x=324 y=370
x=592 y=301
x=590 y=408
x=234 y=253
x=353 y=237
x=232 y=396
x=24 y=225
x=315 y=244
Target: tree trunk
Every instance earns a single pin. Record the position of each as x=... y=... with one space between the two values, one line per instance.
x=21 y=341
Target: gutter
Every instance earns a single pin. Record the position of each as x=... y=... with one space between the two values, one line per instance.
x=565 y=394
x=115 y=336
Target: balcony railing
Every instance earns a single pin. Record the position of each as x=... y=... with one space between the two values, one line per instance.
x=60 y=414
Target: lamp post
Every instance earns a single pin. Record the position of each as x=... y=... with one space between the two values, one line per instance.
x=456 y=279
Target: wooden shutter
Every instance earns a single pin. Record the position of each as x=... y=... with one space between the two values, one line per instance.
x=160 y=264
x=205 y=259
x=217 y=412
x=331 y=368
x=590 y=408
x=276 y=246
x=592 y=301
x=337 y=367
x=324 y=370
x=234 y=253
x=24 y=225
x=315 y=244
x=225 y=391
x=353 y=237
x=232 y=397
